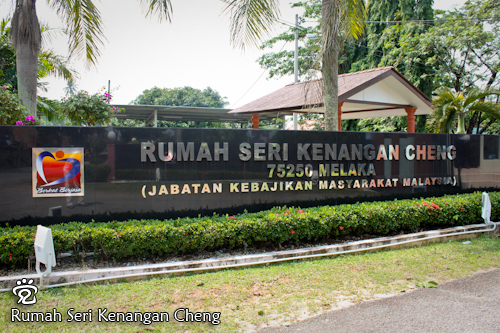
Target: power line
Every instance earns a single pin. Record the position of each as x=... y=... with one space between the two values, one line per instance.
x=392 y=21
x=289 y=24
x=257 y=79
x=377 y=53
x=232 y=4
x=439 y=20
x=429 y=21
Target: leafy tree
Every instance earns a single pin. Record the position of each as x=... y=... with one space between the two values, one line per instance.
x=359 y=54
x=185 y=96
x=84 y=109
x=386 y=124
x=460 y=52
x=384 y=37
x=7 y=57
x=491 y=128
x=448 y=49
x=389 y=44
x=487 y=55
x=282 y=63
x=11 y=111
x=368 y=51
x=451 y=109
x=454 y=50
x=50 y=108
x=51 y=64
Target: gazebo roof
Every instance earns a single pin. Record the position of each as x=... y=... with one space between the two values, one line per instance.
x=378 y=92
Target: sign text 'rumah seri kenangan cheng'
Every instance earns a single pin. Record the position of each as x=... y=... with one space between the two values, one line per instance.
x=297 y=167
x=117 y=173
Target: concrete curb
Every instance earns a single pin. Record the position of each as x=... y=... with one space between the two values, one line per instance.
x=141 y=272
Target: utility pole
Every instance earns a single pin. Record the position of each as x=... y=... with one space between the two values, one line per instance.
x=296 y=66
x=109 y=86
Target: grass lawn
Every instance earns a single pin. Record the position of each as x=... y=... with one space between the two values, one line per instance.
x=249 y=298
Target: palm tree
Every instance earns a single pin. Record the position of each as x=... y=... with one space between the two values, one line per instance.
x=450 y=109
x=84 y=26
x=70 y=88
x=340 y=19
x=27 y=39
x=55 y=65
x=49 y=63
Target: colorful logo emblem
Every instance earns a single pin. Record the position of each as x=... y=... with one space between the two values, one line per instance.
x=57 y=172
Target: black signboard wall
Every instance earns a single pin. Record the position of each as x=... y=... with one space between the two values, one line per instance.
x=173 y=172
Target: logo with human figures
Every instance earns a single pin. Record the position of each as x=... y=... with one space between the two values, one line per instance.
x=57 y=172
x=26 y=292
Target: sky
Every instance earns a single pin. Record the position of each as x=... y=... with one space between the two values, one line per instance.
x=192 y=50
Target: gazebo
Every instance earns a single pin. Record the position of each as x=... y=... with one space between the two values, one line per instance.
x=372 y=93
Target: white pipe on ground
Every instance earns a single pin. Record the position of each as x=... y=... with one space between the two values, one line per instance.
x=310 y=256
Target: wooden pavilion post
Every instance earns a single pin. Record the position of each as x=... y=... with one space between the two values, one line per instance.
x=410 y=116
x=340 y=116
x=255 y=120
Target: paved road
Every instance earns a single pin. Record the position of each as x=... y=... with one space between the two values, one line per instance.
x=469 y=305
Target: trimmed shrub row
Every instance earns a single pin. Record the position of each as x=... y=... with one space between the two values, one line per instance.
x=280 y=225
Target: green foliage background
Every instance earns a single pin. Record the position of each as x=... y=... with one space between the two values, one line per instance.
x=431 y=48
x=10 y=108
x=83 y=108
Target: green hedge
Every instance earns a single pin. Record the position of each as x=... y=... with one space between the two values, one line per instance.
x=153 y=238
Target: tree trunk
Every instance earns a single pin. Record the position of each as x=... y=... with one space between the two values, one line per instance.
x=461 y=123
x=472 y=122
x=330 y=32
x=487 y=125
x=27 y=75
x=26 y=38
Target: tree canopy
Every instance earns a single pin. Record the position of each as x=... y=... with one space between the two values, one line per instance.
x=282 y=63
x=183 y=96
